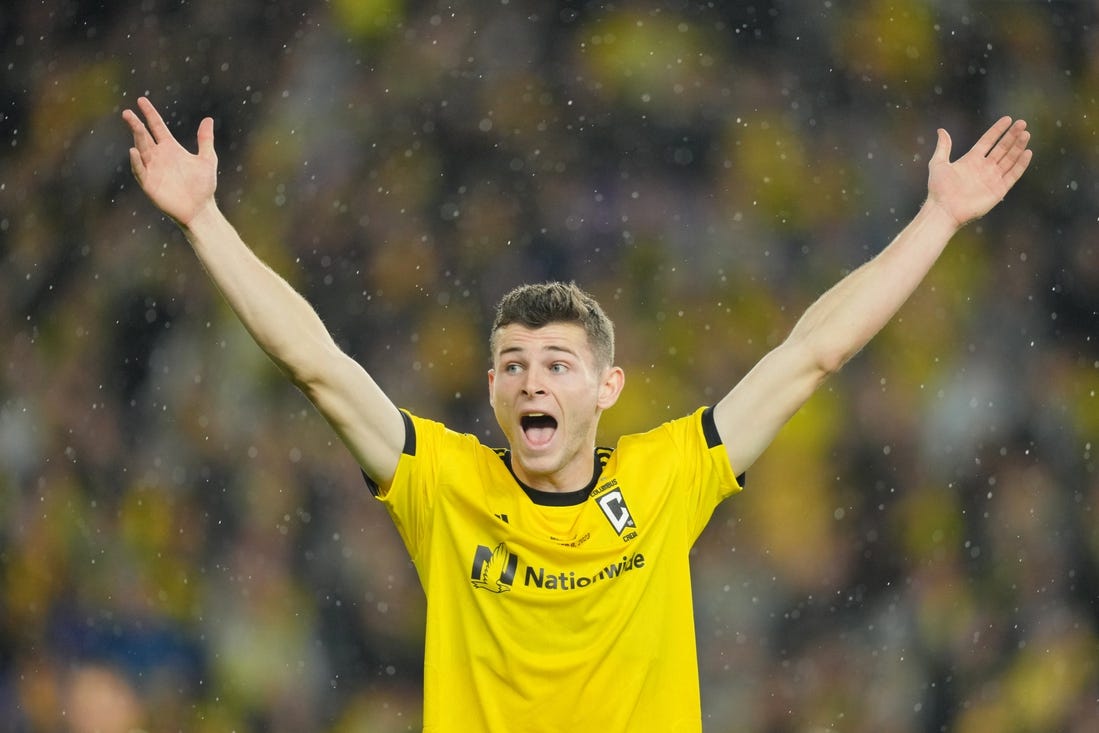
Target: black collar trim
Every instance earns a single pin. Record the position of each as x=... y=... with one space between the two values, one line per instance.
x=559 y=498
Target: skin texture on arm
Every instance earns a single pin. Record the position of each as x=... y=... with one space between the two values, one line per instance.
x=853 y=311
x=280 y=320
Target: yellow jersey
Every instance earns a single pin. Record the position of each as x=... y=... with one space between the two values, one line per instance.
x=559 y=612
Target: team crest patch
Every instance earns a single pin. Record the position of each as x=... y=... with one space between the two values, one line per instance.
x=614 y=507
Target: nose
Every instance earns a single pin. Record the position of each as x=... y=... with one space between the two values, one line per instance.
x=532 y=384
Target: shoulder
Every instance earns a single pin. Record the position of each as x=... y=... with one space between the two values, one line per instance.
x=433 y=454
x=424 y=436
x=696 y=428
x=426 y=428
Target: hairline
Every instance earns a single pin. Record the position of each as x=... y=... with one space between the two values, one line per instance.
x=596 y=357
x=537 y=305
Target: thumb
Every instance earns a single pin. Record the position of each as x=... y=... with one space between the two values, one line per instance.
x=942 y=148
x=206 y=137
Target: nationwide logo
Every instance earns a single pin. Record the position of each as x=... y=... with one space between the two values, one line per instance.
x=495 y=569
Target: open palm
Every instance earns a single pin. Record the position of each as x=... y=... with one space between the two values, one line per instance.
x=969 y=187
x=178 y=182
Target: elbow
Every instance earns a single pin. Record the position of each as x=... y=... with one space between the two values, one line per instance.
x=308 y=367
x=307 y=376
x=829 y=361
x=822 y=358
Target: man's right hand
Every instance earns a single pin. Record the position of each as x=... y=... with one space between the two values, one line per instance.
x=179 y=183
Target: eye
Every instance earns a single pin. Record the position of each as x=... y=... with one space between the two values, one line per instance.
x=512 y=368
x=559 y=367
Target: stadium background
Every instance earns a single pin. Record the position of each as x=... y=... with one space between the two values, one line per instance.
x=184 y=546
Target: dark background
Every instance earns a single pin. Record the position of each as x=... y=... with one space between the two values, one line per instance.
x=184 y=545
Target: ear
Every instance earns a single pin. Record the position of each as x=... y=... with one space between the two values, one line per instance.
x=614 y=379
x=491 y=391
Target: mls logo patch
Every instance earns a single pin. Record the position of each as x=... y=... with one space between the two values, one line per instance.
x=614 y=506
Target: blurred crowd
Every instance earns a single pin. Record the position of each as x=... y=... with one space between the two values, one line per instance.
x=185 y=546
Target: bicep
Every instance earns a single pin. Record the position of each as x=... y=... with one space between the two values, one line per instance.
x=363 y=416
x=752 y=413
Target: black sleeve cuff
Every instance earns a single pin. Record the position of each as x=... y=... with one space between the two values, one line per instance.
x=709 y=428
x=713 y=438
x=409 y=449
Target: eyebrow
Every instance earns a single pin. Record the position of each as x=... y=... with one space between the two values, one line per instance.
x=547 y=347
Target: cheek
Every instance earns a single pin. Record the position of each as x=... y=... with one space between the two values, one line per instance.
x=580 y=397
x=498 y=395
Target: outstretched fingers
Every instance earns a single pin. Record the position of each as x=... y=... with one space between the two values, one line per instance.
x=1017 y=161
x=1011 y=154
x=142 y=140
x=156 y=124
x=142 y=146
x=988 y=144
x=1011 y=145
x=137 y=164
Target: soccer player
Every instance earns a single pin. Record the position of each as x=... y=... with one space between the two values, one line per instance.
x=556 y=572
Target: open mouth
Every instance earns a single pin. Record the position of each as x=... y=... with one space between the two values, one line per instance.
x=538 y=427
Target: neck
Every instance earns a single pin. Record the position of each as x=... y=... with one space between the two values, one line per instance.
x=573 y=477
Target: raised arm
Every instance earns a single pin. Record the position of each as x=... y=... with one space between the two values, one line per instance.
x=284 y=325
x=848 y=315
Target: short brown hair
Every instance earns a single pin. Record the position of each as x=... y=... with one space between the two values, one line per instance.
x=537 y=305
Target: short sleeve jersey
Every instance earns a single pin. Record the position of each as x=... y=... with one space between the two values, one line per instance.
x=559 y=612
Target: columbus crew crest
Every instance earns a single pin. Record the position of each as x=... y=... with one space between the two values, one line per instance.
x=614 y=507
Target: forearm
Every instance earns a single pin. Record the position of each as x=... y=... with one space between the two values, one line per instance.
x=284 y=325
x=846 y=317
x=280 y=320
x=288 y=329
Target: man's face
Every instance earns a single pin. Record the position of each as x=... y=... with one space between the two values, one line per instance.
x=548 y=392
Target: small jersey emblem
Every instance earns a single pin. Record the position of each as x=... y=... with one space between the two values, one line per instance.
x=614 y=507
